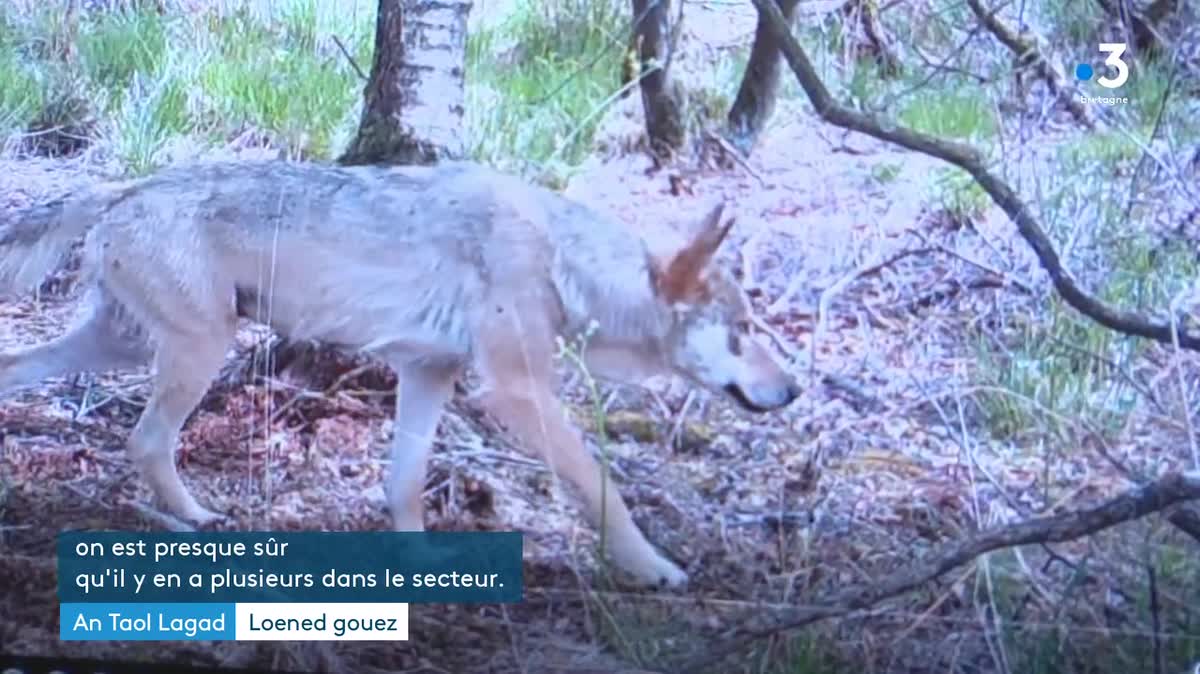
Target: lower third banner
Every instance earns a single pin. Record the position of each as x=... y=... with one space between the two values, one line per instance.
x=234 y=622
x=266 y=586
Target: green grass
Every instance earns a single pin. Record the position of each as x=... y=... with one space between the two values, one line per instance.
x=149 y=116
x=1075 y=635
x=262 y=78
x=115 y=47
x=1078 y=22
x=886 y=172
x=958 y=194
x=1064 y=367
x=21 y=96
x=714 y=92
x=1103 y=148
x=539 y=84
x=1052 y=372
x=1127 y=646
x=959 y=114
x=1145 y=89
x=150 y=82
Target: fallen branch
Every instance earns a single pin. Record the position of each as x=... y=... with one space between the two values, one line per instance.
x=1172 y=489
x=970 y=160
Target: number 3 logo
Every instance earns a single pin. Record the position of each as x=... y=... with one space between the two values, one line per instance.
x=1114 y=51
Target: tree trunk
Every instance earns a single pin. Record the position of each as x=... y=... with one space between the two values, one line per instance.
x=413 y=112
x=755 y=102
x=661 y=100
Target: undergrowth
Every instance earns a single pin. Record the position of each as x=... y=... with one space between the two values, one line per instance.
x=1057 y=370
x=154 y=86
x=539 y=82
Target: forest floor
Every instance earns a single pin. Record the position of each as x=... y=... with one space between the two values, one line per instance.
x=877 y=294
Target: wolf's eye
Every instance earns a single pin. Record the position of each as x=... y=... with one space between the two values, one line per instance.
x=735 y=344
x=743 y=327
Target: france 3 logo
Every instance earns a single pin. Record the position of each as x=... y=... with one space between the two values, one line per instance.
x=1115 y=62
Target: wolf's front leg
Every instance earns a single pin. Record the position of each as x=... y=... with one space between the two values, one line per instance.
x=539 y=421
x=185 y=366
x=421 y=396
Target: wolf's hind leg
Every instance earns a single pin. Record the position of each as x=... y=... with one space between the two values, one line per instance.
x=108 y=338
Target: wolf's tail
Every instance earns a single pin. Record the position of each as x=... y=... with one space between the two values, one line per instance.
x=34 y=240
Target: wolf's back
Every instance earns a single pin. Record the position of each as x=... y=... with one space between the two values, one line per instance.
x=33 y=240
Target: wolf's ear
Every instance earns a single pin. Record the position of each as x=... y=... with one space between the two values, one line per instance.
x=679 y=278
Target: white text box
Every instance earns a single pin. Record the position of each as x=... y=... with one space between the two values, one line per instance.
x=322 y=622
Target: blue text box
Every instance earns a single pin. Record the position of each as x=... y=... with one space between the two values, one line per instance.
x=308 y=566
x=141 y=621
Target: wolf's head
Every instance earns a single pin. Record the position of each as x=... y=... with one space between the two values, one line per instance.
x=711 y=340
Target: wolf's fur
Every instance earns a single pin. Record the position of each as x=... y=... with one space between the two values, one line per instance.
x=430 y=268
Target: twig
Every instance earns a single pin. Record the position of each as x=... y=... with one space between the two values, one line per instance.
x=512 y=641
x=1183 y=389
x=1172 y=489
x=860 y=272
x=1187 y=520
x=1158 y=120
x=599 y=57
x=677 y=427
x=998 y=273
x=827 y=298
x=730 y=151
x=167 y=521
x=1116 y=367
x=858 y=397
x=353 y=63
x=876 y=268
x=1156 y=627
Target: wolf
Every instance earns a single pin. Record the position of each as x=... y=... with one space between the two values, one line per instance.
x=431 y=269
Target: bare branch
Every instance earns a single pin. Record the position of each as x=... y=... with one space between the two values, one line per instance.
x=1170 y=490
x=1186 y=520
x=970 y=160
x=353 y=64
x=1025 y=48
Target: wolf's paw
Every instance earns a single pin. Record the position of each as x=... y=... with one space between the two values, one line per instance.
x=185 y=507
x=194 y=518
x=202 y=518
x=405 y=521
x=660 y=572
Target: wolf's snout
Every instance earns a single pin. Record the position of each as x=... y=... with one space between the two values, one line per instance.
x=763 y=399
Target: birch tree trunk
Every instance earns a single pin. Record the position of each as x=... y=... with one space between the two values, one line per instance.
x=413 y=112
